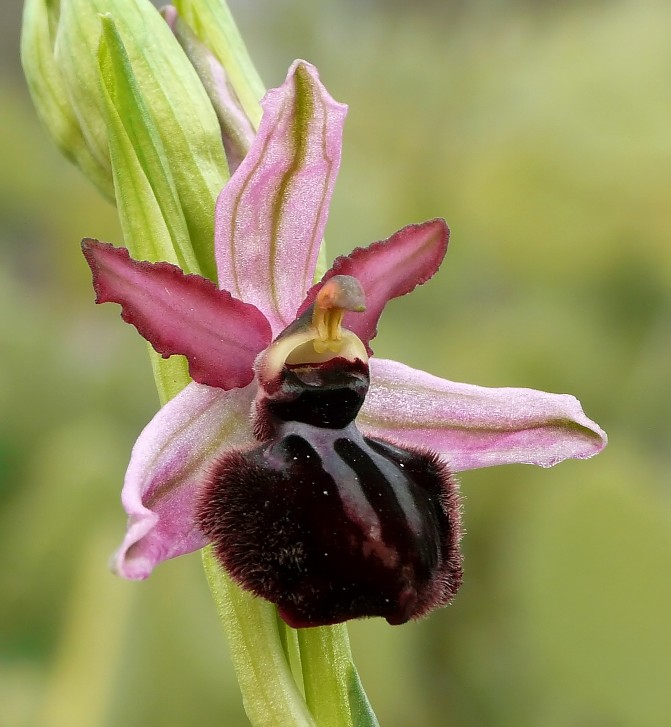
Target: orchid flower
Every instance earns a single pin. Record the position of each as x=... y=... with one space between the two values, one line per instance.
x=323 y=475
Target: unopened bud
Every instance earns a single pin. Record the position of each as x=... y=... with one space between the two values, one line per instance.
x=51 y=95
x=237 y=132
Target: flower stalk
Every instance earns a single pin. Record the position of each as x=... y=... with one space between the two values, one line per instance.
x=269 y=689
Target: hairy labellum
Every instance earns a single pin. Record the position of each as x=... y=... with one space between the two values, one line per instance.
x=322 y=521
x=331 y=526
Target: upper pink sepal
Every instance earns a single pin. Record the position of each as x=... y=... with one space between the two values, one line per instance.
x=474 y=426
x=160 y=492
x=270 y=216
x=181 y=314
x=388 y=269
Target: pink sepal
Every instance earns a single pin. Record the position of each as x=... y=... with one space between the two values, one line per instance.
x=271 y=215
x=166 y=470
x=474 y=426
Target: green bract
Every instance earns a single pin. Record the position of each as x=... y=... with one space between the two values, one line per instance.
x=51 y=95
x=237 y=130
x=152 y=219
x=175 y=103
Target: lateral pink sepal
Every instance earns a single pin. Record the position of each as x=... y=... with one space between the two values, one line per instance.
x=166 y=471
x=475 y=426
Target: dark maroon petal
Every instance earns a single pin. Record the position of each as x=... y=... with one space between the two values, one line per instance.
x=388 y=269
x=181 y=314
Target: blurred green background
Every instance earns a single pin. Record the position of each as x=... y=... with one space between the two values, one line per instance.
x=542 y=132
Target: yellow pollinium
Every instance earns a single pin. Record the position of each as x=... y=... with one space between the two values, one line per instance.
x=329 y=328
x=339 y=294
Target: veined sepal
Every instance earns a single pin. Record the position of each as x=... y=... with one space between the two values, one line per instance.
x=270 y=217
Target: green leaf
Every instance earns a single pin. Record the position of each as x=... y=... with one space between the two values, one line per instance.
x=292 y=651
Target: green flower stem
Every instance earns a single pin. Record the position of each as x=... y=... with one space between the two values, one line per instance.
x=292 y=651
x=269 y=691
x=170 y=375
x=333 y=690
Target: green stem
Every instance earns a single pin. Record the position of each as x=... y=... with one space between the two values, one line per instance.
x=292 y=651
x=269 y=692
x=170 y=375
x=333 y=689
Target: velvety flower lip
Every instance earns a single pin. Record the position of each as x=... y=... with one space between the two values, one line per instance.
x=279 y=195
